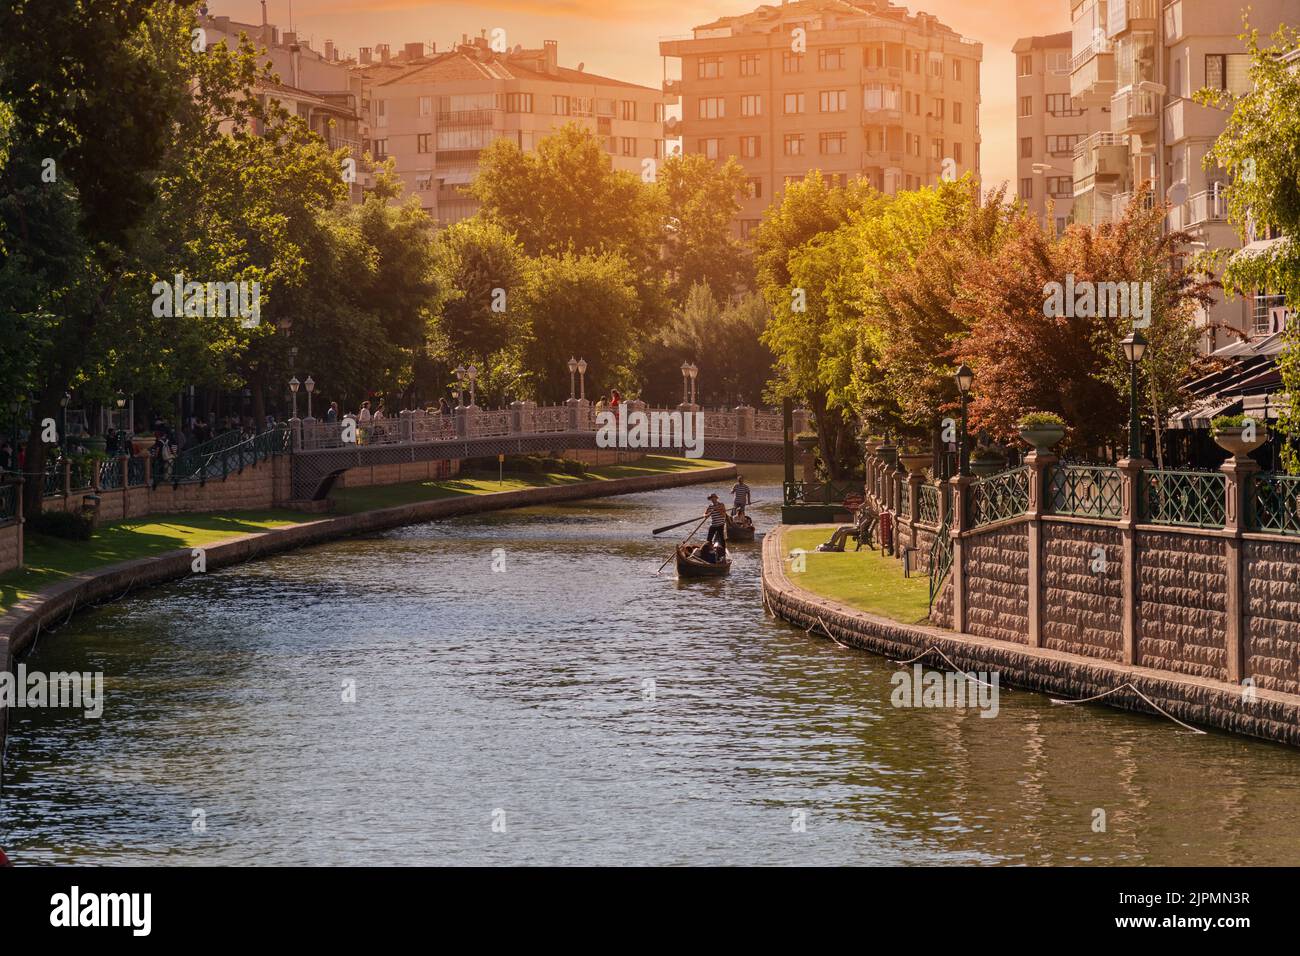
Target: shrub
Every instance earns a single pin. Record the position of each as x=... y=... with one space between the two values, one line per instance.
x=61 y=524
x=1232 y=421
x=1041 y=420
x=989 y=453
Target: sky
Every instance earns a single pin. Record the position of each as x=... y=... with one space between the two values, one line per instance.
x=620 y=38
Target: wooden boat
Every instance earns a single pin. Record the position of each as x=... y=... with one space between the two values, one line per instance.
x=692 y=567
x=740 y=532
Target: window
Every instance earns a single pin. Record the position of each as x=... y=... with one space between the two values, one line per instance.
x=1060 y=104
x=580 y=105
x=873 y=57
x=1262 y=312
x=750 y=147
x=936 y=64
x=628 y=110
x=837 y=180
x=659 y=149
x=560 y=105
x=426 y=105
x=1062 y=145
x=1026 y=147
x=791 y=62
x=1060 y=187
x=749 y=64
x=1026 y=106
x=956 y=70
x=956 y=112
x=937 y=109
x=913 y=61
x=754 y=187
x=381 y=148
x=833 y=101
x=1228 y=71
x=519 y=102
x=751 y=105
x=748 y=226
x=709 y=68
x=936 y=149
x=381 y=112
x=793 y=103
x=1060 y=225
x=1025 y=65
x=956 y=152
x=659 y=112
x=793 y=144
x=832 y=144
x=712 y=107
x=422 y=143
x=830 y=59
x=1058 y=61
x=1027 y=188
x=629 y=145
x=711 y=148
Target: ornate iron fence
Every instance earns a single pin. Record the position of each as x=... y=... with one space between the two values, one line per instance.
x=927 y=504
x=8 y=502
x=1192 y=499
x=998 y=497
x=1275 y=504
x=905 y=503
x=1089 y=491
x=110 y=474
x=52 y=481
x=198 y=464
x=83 y=472
x=135 y=470
x=820 y=492
x=940 y=561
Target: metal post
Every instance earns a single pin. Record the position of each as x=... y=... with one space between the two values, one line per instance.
x=1134 y=424
x=963 y=464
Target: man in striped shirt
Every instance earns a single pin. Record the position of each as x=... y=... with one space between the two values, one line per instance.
x=717 y=515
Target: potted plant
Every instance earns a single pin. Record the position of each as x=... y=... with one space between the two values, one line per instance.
x=915 y=461
x=988 y=460
x=1238 y=435
x=1042 y=430
x=806 y=441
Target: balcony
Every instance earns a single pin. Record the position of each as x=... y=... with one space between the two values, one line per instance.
x=482 y=117
x=1134 y=111
x=1092 y=207
x=1123 y=14
x=1207 y=206
x=1101 y=156
x=1092 y=71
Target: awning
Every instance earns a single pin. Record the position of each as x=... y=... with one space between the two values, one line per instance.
x=1259 y=247
x=1200 y=415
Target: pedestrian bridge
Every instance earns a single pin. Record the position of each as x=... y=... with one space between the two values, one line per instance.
x=322 y=450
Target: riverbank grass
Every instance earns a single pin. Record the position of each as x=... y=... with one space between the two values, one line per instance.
x=47 y=560
x=866 y=580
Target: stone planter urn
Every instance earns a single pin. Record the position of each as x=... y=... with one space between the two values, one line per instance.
x=1042 y=437
x=916 y=462
x=806 y=442
x=888 y=454
x=1230 y=439
x=984 y=467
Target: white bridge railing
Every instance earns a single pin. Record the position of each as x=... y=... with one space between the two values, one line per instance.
x=524 y=418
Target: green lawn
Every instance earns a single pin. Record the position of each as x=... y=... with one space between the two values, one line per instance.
x=866 y=580
x=47 y=559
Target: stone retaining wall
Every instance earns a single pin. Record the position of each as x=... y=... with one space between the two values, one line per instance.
x=1182 y=592
x=1266 y=714
x=11 y=546
x=1271 y=618
x=997 y=584
x=1083 y=608
x=52 y=605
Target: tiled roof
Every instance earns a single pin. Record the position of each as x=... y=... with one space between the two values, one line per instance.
x=459 y=65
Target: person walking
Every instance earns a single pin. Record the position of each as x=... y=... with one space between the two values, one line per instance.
x=716 y=512
x=332 y=413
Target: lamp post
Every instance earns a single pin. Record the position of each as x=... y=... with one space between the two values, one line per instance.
x=573 y=382
x=686 y=383
x=694 y=371
x=460 y=387
x=311 y=387
x=1135 y=346
x=582 y=379
x=63 y=436
x=472 y=374
x=965 y=378
x=293 y=388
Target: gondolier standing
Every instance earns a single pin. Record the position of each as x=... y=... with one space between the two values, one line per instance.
x=716 y=512
x=740 y=495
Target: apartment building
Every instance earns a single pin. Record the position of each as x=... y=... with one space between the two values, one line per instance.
x=1146 y=59
x=434 y=114
x=315 y=85
x=1050 y=123
x=855 y=89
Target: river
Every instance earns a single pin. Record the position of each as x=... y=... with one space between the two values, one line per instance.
x=575 y=708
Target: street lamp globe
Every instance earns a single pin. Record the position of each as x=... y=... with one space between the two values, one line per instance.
x=694 y=371
x=1135 y=346
x=472 y=373
x=293 y=384
x=582 y=366
x=573 y=364
x=965 y=378
x=309 y=385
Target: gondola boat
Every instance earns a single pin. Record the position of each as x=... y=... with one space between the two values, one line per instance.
x=738 y=531
x=689 y=566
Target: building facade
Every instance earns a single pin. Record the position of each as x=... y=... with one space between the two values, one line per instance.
x=434 y=115
x=1145 y=60
x=854 y=89
x=1050 y=123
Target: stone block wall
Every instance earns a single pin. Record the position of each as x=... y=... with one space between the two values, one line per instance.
x=397 y=474
x=997 y=583
x=1083 y=610
x=1271 y=614
x=11 y=546
x=1182 y=596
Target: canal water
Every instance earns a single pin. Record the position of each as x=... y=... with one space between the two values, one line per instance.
x=575 y=708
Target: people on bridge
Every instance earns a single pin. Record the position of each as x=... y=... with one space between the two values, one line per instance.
x=740 y=496
x=332 y=413
x=716 y=512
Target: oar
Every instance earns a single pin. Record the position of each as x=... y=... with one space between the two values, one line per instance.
x=684 y=540
x=669 y=527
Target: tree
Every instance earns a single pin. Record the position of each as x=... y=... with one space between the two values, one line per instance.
x=584 y=306
x=1257 y=148
x=699 y=203
x=481 y=266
